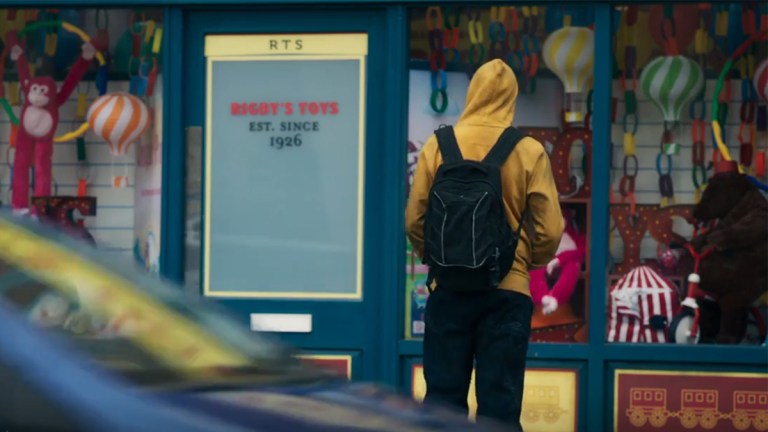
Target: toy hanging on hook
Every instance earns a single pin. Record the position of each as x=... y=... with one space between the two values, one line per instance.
x=40 y=114
x=12 y=39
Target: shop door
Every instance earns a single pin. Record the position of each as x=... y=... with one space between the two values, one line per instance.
x=287 y=105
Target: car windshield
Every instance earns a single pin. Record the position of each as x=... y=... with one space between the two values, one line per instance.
x=121 y=317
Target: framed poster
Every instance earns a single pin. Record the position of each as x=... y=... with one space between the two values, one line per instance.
x=284 y=153
x=656 y=400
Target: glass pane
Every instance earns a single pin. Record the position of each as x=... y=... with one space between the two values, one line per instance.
x=665 y=171
x=102 y=182
x=125 y=321
x=550 y=50
x=284 y=169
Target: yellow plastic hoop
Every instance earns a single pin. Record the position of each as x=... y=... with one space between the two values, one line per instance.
x=83 y=127
x=84 y=36
x=716 y=129
x=74 y=134
x=99 y=57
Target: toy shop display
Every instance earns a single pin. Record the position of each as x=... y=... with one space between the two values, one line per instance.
x=730 y=259
x=39 y=120
x=416 y=302
x=119 y=119
x=575 y=71
x=565 y=269
x=552 y=288
x=70 y=86
x=695 y=45
x=641 y=307
x=68 y=213
x=671 y=82
x=538 y=44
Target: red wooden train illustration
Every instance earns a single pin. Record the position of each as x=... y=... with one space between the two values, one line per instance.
x=648 y=405
x=698 y=407
x=750 y=406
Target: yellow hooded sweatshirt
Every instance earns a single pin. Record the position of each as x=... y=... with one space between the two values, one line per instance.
x=527 y=173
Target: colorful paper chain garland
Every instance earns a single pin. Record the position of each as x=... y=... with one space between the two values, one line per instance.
x=716 y=128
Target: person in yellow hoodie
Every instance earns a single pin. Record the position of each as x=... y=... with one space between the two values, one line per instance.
x=490 y=327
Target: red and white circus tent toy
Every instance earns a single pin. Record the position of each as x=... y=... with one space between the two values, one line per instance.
x=642 y=305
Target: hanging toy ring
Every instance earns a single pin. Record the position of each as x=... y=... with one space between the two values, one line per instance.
x=716 y=126
x=85 y=38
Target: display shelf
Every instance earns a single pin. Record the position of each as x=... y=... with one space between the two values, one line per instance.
x=739 y=355
x=699 y=354
x=536 y=350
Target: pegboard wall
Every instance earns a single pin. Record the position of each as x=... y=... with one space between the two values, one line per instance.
x=113 y=224
x=118 y=228
x=648 y=139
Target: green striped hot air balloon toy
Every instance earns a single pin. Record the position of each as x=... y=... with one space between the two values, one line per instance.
x=671 y=82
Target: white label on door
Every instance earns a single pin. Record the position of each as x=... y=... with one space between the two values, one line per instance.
x=282 y=323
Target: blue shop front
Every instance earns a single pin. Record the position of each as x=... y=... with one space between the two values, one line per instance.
x=260 y=154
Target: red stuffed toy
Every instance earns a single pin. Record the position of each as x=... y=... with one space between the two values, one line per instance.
x=37 y=124
x=566 y=266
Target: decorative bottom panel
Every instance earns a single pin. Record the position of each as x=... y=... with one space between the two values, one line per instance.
x=550 y=399
x=340 y=364
x=673 y=401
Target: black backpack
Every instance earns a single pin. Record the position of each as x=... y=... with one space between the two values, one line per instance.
x=469 y=244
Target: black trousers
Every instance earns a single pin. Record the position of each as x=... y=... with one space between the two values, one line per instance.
x=492 y=328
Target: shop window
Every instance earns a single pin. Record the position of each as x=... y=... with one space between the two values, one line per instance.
x=105 y=170
x=551 y=51
x=671 y=72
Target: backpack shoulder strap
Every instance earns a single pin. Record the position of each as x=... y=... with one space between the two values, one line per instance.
x=449 y=148
x=504 y=146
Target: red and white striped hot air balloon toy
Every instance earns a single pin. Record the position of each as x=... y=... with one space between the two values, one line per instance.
x=120 y=119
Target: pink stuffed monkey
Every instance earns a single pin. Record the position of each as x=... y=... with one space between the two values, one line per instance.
x=568 y=259
x=37 y=124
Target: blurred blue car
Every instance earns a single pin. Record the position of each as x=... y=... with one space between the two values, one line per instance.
x=90 y=346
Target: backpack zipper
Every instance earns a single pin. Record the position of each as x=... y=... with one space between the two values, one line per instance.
x=474 y=215
x=442 y=228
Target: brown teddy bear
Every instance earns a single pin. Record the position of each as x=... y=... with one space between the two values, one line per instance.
x=735 y=274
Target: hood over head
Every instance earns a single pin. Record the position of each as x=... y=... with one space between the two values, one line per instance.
x=491 y=96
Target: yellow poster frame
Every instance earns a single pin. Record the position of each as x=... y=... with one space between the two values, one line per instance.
x=255 y=47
